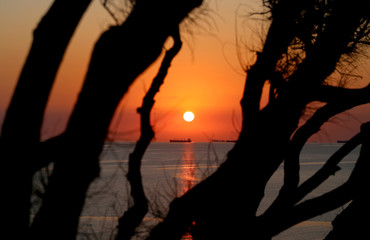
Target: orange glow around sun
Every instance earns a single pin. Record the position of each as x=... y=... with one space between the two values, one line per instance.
x=207 y=77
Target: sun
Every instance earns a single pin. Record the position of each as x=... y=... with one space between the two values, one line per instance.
x=188 y=116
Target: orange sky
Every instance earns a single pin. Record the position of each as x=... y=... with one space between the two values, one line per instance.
x=206 y=77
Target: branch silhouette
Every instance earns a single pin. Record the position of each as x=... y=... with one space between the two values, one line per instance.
x=25 y=113
x=135 y=214
x=338 y=100
x=305 y=44
x=348 y=191
x=120 y=55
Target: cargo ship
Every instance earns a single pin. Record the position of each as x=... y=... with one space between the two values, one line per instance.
x=179 y=140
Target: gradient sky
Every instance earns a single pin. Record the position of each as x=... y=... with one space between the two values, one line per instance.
x=206 y=77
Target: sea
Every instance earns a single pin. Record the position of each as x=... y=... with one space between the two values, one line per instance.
x=170 y=169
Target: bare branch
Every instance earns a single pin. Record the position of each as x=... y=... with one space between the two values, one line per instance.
x=334 y=198
x=120 y=55
x=333 y=94
x=330 y=167
x=278 y=39
x=135 y=214
x=29 y=101
x=290 y=195
x=339 y=100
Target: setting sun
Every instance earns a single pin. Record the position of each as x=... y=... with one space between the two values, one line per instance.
x=188 y=116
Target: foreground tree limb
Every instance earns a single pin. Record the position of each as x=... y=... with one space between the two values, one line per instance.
x=338 y=100
x=228 y=200
x=288 y=198
x=20 y=134
x=350 y=223
x=198 y=209
x=239 y=183
x=135 y=214
x=120 y=55
x=350 y=190
x=278 y=39
x=50 y=40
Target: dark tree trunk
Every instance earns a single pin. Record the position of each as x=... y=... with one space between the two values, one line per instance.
x=20 y=133
x=120 y=55
x=223 y=205
x=219 y=201
x=51 y=38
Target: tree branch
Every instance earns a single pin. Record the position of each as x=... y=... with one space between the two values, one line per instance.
x=135 y=214
x=333 y=94
x=330 y=168
x=120 y=55
x=279 y=37
x=290 y=195
x=334 y=198
x=21 y=128
x=339 y=100
x=50 y=40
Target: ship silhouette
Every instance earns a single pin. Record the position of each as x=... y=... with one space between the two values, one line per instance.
x=181 y=140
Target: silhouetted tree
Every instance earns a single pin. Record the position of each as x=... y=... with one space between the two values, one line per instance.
x=135 y=214
x=304 y=45
x=22 y=124
x=120 y=55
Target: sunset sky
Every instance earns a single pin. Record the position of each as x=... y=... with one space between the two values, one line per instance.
x=207 y=77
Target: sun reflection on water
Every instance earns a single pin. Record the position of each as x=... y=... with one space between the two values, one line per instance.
x=187 y=175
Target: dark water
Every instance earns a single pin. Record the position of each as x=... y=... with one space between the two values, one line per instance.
x=170 y=169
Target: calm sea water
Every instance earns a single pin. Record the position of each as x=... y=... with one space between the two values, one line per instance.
x=170 y=169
